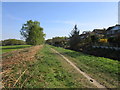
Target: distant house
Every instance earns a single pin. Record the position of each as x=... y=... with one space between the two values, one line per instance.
x=99 y=32
x=85 y=34
x=113 y=31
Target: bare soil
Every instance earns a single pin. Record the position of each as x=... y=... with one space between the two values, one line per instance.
x=17 y=56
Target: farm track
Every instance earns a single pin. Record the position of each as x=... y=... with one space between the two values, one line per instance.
x=91 y=80
x=26 y=73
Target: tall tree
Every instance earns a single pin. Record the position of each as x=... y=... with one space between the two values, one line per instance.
x=32 y=32
x=74 y=38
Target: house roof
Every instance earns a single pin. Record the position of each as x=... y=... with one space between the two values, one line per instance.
x=109 y=28
x=116 y=27
x=100 y=31
x=97 y=30
x=82 y=34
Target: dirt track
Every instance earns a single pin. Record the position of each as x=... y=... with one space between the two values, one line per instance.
x=28 y=54
x=91 y=80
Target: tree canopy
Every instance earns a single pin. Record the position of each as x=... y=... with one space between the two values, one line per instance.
x=74 y=38
x=32 y=32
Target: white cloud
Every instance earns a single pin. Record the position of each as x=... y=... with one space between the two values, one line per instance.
x=68 y=22
x=14 y=18
x=86 y=26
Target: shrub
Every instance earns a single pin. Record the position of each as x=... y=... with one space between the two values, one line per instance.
x=114 y=40
x=103 y=40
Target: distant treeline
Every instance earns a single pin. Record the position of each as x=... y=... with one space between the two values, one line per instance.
x=58 y=42
x=12 y=42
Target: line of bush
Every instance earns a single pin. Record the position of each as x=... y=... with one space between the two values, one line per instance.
x=12 y=42
x=84 y=43
x=102 y=52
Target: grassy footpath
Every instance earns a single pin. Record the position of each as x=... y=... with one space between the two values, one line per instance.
x=4 y=49
x=49 y=70
x=104 y=70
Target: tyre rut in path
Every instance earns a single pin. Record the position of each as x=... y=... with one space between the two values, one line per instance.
x=91 y=80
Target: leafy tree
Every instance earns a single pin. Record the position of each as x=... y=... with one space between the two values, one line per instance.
x=74 y=38
x=32 y=32
x=60 y=41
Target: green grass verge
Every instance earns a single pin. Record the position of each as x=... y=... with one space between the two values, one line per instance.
x=104 y=70
x=49 y=70
x=4 y=49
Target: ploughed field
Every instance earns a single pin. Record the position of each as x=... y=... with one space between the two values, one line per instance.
x=41 y=67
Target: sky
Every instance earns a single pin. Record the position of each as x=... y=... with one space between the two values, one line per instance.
x=57 y=18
